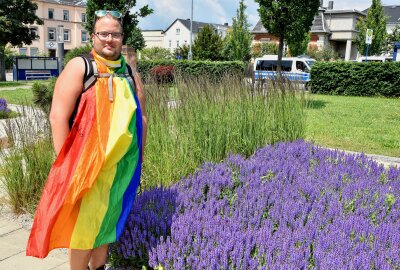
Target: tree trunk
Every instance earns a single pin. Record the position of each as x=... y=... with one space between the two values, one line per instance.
x=280 y=53
x=2 y=64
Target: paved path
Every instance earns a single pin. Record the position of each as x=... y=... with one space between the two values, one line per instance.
x=13 y=239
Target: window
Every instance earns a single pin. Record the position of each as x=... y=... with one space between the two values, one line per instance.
x=178 y=31
x=84 y=36
x=34 y=51
x=177 y=43
x=51 y=34
x=83 y=16
x=66 y=15
x=170 y=43
x=22 y=51
x=34 y=31
x=51 y=13
x=271 y=65
x=67 y=35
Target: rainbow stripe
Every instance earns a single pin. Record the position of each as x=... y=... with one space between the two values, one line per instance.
x=93 y=182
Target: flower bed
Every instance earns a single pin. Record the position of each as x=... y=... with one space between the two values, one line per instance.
x=289 y=206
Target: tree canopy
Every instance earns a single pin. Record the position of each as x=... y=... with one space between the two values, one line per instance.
x=132 y=35
x=375 y=20
x=15 y=17
x=208 y=45
x=238 y=40
x=287 y=19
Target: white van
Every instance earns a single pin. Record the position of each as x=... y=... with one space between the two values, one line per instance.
x=294 y=68
x=375 y=59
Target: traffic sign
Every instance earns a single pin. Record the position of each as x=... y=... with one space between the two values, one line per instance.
x=368 y=37
x=51 y=45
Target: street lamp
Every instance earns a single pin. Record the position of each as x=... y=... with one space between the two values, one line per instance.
x=191 y=33
x=60 y=46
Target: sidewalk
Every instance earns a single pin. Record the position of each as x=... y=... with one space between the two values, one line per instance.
x=13 y=239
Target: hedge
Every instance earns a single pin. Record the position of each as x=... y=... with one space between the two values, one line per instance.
x=356 y=79
x=211 y=69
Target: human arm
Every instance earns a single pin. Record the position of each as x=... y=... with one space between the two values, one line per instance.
x=69 y=86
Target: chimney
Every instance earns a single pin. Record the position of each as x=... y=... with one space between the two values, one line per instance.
x=330 y=5
x=321 y=3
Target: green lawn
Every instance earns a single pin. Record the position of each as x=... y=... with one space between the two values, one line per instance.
x=367 y=124
x=18 y=96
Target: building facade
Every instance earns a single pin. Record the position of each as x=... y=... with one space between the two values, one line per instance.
x=335 y=28
x=153 y=38
x=178 y=33
x=70 y=14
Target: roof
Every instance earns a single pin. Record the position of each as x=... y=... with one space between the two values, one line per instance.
x=393 y=13
x=196 y=25
x=259 y=28
x=319 y=23
x=67 y=2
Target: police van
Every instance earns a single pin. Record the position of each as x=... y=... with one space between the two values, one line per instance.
x=293 y=68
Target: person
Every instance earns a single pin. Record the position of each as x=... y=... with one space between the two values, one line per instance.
x=94 y=179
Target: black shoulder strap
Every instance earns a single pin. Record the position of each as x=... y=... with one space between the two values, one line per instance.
x=90 y=71
x=129 y=74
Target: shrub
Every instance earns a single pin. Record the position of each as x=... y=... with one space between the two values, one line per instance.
x=212 y=70
x=155 y=53
x=289 y=206
x=43 y=94
x=327 y=53
x=163 y=74
x=77 y=52
x=356 y=79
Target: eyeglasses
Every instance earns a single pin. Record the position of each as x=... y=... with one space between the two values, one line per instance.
x=104 y=35
x=113 y=13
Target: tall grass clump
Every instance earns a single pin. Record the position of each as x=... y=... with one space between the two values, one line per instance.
x=199 y=119
x=27 y=160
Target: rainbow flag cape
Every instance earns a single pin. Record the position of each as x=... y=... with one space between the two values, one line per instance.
x=93 y=181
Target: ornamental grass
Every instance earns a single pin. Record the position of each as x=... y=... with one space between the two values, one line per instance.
x=289 y=206
x=199 y=119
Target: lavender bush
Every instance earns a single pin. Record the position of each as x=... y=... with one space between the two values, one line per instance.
x=4 y=110
x=289 y=206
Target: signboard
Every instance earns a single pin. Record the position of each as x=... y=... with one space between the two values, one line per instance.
x=51 y=45
x=368 y=37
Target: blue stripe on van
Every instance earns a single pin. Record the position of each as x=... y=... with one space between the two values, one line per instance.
x=292 y=76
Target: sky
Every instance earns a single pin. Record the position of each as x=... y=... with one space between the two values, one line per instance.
x=219 y=11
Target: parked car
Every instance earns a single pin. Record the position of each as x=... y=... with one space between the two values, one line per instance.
x=293 y=68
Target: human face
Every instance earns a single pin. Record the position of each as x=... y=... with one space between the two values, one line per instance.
x=109 y=48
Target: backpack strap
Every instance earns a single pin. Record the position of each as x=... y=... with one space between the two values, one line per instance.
x=129 y=75
x=91 y=71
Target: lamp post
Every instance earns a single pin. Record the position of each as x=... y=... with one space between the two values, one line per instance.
x=191 y=34
x=60 y=46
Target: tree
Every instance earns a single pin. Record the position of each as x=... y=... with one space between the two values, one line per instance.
x=299 y=46
x=288 y=20
x=238 y=40
x=15 y=16
x=260 y=49
x=376 y=21
x=132 y=35
x=208 y=45
x=183 y=50
x=155 y=53
x=391 y=39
